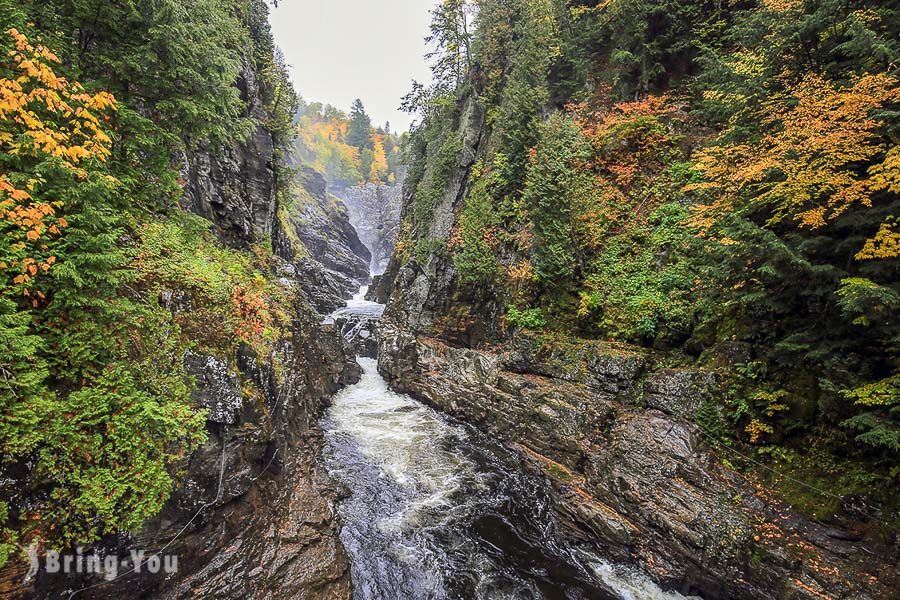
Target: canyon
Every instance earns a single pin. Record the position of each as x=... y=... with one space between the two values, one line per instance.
x=504 y=355
x=530 y=466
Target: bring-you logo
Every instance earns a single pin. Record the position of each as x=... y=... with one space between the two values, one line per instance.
x=108 y=566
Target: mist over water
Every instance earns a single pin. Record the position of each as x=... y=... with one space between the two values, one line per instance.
x=435 y=509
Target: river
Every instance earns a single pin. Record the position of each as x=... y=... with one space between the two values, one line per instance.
x=435 y=509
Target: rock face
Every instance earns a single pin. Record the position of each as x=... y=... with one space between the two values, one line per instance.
x=234 y=187
x=250 y=516
x=315 y=233
x=325 y=230
x=630 y=473
x=374 y=211
x=609 y=428
x=360 y=333
x=422 y=292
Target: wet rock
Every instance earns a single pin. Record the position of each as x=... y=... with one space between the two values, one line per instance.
x=234 y=186
x=604 y=367
x=313 y=232
x=217 y=388
x=633 y=481
x=220 y=184
x=251 y=512
x=374 y=211
x=320 y=221
x=596 y=521
x=360 y=333
x=324 y=290
x=424 y=297
x=614 y=371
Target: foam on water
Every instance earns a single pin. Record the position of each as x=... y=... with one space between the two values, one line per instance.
x=405 y=440
x=438 y=510
x=629 y=583
x=358 y=306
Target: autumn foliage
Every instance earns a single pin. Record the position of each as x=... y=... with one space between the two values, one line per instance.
x=805 y=166
x=47 y=125
x=105 y=282
x=326 y=141
x=251 y=310
x=717 y=181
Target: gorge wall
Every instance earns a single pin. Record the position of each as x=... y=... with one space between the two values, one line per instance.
x=612 y=431
x=252 y=516
x=315 y=234
x=610 y=427
x=545 y=215
x=251 y=510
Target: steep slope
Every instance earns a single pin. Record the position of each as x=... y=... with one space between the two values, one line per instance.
x=178 y=412
x=564 y=184
x=314 y=232
x=235 y=186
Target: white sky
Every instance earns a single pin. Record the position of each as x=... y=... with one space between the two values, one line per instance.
x=339 y=50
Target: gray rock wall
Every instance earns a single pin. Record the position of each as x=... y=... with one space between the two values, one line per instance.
x=631 y=475
x=234 y=186
x=237 y=188
x=313 y=231
x=423 y=293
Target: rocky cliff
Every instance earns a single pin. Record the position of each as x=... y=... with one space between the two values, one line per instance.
x=313 y=232
x=422 y=285
x=235 y=186
x=633 y=479
x=251 y=513
x=252 y=200
x=611 y=428
x=374 y=211
x=258 y=507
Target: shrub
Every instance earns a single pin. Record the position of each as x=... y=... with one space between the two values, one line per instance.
x=528 y=318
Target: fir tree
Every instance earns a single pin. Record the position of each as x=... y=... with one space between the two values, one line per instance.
x=359 y=134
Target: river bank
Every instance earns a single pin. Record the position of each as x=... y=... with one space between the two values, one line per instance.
x=632 y=479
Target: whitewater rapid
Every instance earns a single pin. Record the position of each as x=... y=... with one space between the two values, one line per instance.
x=437 y=510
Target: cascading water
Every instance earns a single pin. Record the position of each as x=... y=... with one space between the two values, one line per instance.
x=359 y=307
x=435 y=509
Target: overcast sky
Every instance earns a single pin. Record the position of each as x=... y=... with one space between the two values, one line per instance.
x=345 y=49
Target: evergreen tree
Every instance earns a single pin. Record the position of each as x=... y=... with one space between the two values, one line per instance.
x=98 y=101
x=359 y=133
x=451 y=40
x=687 y=174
